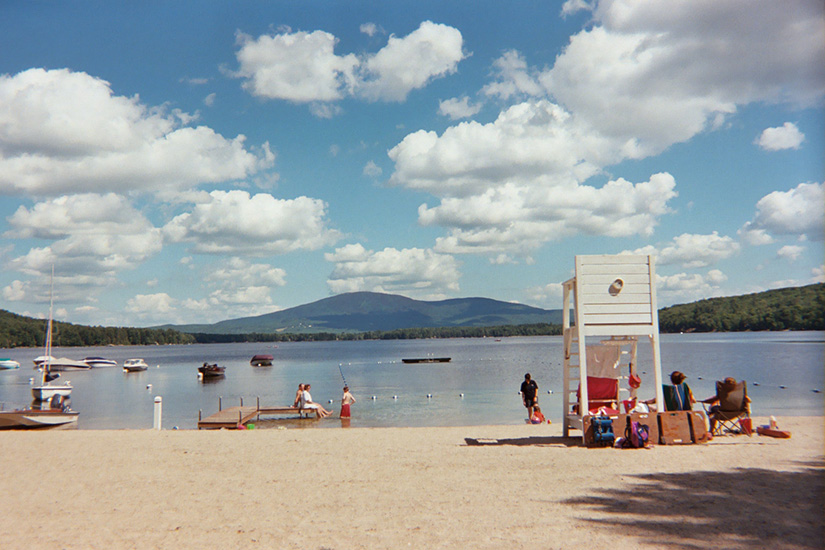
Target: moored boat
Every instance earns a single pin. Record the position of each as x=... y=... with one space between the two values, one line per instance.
x=99 y=362
x=211 y=371
x=38 y=418
x=46 y=391
x=134 y=365
x=64 y=363
x=427 y=360
x=261 y=360
x=8 y=364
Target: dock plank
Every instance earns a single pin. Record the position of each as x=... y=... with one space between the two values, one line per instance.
x=232 y=416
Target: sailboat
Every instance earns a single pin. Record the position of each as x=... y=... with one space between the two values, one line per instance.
x=48 y=410
x=45 y=391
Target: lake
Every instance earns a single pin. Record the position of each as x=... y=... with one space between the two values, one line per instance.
x=478 y=387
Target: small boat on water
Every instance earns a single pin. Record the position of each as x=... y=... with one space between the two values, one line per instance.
x=8 y=364
x=261 y=360
x=427 y=360
x=211 y=371
x=64 y=363
x=47 y=417
x=99 y=362
x=134 y=365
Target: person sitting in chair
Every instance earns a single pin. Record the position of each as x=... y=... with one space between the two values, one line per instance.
x=678 y=397
x=725 y=388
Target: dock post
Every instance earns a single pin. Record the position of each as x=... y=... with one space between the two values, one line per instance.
x=241 y=401
x=158 y=411
x=220 y=405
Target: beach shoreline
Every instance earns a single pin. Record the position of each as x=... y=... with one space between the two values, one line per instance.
x=457 y=487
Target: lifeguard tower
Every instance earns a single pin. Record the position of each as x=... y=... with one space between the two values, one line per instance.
x=614 y=300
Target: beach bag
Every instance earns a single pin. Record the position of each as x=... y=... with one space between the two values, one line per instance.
x=636 y=435
x=602 y=430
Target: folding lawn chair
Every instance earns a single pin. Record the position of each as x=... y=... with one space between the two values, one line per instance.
x=732 y=406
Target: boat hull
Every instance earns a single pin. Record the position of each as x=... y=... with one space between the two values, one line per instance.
x=30 y=419
x=428 y=360
x=8 y=364
x=64 y=364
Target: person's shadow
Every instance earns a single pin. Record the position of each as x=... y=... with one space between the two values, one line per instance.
x=742 y=509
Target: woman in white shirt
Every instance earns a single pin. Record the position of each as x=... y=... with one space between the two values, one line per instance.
x=307 y=403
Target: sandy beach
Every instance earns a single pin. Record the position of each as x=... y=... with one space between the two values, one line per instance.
x=464 y=487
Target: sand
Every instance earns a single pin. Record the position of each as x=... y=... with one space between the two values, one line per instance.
x=468 y=487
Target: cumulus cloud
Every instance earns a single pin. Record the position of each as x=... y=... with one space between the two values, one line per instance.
x=414 y=272
x=372 y=170
x=693 y=251
x=302 y=67
x=797 y=212
x=790 y=252
x=456 y=108
x=684 y=287
x=67 y=132
x=93 y=238
x=233 y=222
x=644 y=76
x=786 y=136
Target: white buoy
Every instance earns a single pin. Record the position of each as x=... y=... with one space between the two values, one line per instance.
x=148 y=386
x=756 y=383
x=330 y=401
x=461 y=395
x=429 y=396
x=374 y=398
x=395 y=397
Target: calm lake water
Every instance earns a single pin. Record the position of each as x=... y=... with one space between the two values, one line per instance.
x=479 y=386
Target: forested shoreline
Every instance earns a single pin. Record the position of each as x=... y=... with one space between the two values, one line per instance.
x=799 y=308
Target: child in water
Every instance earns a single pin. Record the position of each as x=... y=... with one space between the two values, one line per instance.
x=346 y=400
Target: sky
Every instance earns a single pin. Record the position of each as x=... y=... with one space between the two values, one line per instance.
x=195 y=161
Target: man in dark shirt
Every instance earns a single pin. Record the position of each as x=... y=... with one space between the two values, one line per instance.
x=529 y=388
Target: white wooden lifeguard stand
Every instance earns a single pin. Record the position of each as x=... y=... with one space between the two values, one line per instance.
x=614 y=298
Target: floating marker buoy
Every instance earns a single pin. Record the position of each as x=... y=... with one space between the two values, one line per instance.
x=815 y=390
x=429 y=396
x=330 y=401
x=374 y=398
x=395 y=397
x=756 y=383
x=461 y=395
x=698 y=377
x=148 y=386
x=781 y=387
x=31 y=380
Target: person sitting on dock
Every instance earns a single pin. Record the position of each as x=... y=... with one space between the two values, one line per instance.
x=307 y=403
x=298 y=395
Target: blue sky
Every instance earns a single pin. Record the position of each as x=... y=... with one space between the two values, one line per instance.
x=196 y=161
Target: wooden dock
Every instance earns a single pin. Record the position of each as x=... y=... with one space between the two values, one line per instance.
x=232 y=417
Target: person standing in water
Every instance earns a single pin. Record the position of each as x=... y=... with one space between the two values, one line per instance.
x=529 y=389
x=346 y=401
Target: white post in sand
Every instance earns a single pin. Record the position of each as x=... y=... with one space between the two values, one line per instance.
x=158 y=411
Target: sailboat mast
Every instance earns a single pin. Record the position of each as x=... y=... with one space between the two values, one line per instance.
x=48 y=362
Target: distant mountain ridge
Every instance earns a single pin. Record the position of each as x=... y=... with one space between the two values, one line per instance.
x=369 y=311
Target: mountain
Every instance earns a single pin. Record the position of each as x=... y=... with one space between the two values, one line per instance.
x=367 y=311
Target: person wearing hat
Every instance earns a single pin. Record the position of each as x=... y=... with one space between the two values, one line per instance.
x=678 y=396
x=727 y=386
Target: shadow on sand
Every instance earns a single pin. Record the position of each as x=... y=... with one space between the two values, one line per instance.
x=743 y=508
x=554 y=441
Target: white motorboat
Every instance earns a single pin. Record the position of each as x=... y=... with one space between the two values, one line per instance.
x=8 y=364
x=99 y=362
x=64 y=363
x=134 y=365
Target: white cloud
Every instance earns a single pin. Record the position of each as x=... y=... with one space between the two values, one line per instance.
x=370 y=29
x=233 y=222
x=302 y=67
x=413 y=272
x=692 y=251
x=66 y=132
x=514 y=78
x=684 y=287
x=372 y=170
x=240 y=273
x=93 y=238
x=786 y=136
x=210 y=99
x=660 y=72
x=160 y=303
x=798 y=212
x=790 y=252
x=456 y=108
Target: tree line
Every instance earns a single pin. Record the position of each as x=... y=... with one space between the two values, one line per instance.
x=18 y=331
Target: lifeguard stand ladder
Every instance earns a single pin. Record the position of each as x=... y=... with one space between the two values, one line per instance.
x=614 y=299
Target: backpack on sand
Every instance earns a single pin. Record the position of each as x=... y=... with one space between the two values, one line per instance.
x=602 y=430
x=636 y=435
